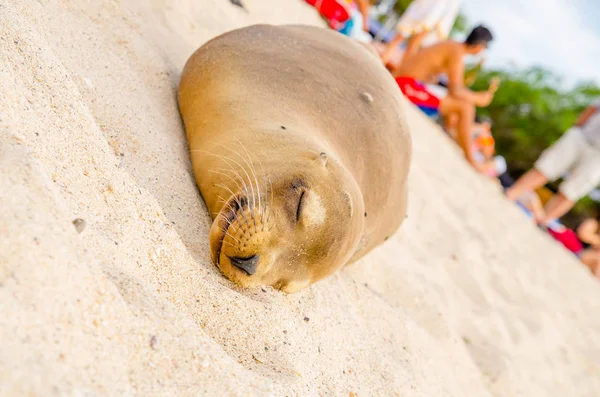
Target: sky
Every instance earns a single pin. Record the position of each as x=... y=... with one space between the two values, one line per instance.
x=561 y=35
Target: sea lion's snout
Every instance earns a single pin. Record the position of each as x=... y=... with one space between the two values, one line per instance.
x=248 y=265
x=240 y=237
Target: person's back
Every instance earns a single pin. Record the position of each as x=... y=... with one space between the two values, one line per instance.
x=427 y=64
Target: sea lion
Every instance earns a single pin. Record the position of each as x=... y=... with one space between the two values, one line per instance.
x=299 y=149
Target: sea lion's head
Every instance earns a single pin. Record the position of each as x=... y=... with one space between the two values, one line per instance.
x=288 y=224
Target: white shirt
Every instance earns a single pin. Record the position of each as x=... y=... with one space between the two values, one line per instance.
x=591 y=128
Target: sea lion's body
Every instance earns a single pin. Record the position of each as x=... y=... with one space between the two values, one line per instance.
x=295 y=105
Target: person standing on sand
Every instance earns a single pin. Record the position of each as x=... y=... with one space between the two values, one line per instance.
x=425 y=22
x=576 y=152
x=460 y=102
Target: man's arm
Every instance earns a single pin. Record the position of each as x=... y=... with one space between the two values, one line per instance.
x=456 y=84
x=389 y=49
x=363 y=7
x=463 y=138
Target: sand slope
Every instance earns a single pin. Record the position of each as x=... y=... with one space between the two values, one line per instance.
x=467 y=299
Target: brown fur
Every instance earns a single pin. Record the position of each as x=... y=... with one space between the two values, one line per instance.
x=276 y=113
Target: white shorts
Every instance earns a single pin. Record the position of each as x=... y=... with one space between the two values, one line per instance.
x=574 y=155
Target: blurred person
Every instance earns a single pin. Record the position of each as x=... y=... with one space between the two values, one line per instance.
x=576 y=152
x=349 y=17
x=583 y=242
x=482 y=144
x=416 y=74
x=357 y=26
x=425 y=22
x=589 y=233
x=529 y=201
x=484 y=148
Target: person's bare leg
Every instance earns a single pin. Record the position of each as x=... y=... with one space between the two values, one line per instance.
x=536 y=208
x=464 y=112
x=450 y=124
x=591 y=258
x=556 y=207
x=531 y=180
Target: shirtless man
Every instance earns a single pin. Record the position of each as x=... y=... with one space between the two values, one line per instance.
x=460 y=103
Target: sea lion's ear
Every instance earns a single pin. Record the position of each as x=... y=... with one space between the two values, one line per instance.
x=323 y=158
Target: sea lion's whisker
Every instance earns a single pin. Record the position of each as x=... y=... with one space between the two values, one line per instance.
x=252 y=169
x=245 y=172
x=272 y=199
x=252 y=205
x=267 y=209
x=249 y=164
x=266 y=197
x=264 y=210
x=226 y=160
x=225 y=202
x=227 y=242
x=242 y=188
x=262 y=168
x=229 y=234
x=235 y=197
x=220 y=172
x=267 y=204
x=239 y=203
x=229 y=224
x=229 y=221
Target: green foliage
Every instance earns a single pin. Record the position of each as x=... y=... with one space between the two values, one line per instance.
x=401 y=6
x=461 y=25
x=530 y=111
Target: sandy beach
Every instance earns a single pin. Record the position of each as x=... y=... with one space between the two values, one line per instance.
x=106 y=283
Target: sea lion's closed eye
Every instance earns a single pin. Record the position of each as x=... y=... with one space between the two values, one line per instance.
x=299 y=209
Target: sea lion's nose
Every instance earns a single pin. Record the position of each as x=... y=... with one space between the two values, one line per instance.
x=246 y=264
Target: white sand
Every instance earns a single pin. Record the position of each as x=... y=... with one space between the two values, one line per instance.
x=468 y=299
